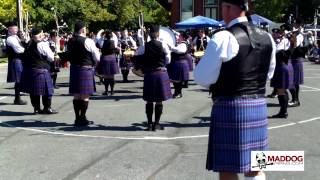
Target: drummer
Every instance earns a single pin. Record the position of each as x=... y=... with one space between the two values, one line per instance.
x=179 y=67
x=200 y=42
x=108 y=66
x=127 y=44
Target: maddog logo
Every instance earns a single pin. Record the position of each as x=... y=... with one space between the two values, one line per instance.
x=277 y=160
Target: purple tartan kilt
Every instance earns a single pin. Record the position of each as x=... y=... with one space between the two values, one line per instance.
x=15 y=69
x=156 y=86
x=125 y=63
x=82 y=80
x=108 y=65
x=298 y=75
x=37 y=82
x=179 y=70
x=238 y=126
x=283 y=77
x=190 y=61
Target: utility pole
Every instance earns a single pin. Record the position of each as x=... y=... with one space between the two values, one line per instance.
x=19 y=14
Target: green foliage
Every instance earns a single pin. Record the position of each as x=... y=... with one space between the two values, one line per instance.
x=7 y=10
x=272 y=9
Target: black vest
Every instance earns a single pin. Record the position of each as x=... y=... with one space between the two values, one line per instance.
x=12 y=54
x=108 y=47
x=33 y=57
x=78 y=53
x=245 y=74
x=204 y=43
x=154 y=56
x=178 y=57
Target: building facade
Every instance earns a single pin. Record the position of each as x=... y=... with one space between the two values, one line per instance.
x=184 y=9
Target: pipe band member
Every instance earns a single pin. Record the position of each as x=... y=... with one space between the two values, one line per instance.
x=156 y=84
x=15 y=51
x=127 y=43
x=83 y=55
x=108 y=65
x=237 y=63
x=283 y=80
x=179 y=67
x=38 y=58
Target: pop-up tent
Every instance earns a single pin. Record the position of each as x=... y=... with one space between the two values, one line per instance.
x=258 y=20
x=197 y=22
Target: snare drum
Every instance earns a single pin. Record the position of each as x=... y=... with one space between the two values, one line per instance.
x=198 y=55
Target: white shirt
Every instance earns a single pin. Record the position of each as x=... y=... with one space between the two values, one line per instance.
x=91 y=47
x=222 y=48
x=300 y=39
x=14 y=42
x=284 y=44
x=180 y=48
x=166 y=50
x=44 y=49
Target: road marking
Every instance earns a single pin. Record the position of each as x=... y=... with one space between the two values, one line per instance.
x=310 y=87
x=315 y=77
x=143 y=137
x=3 y=97
x=310 y=90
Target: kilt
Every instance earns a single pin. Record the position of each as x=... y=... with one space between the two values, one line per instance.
x=190 y=61
x=14 y=70
x=37 y=82
x=82 y=80
x=179 y=70
x=108 y=65
x=283 y=76
x=238 y=126
x=156 y=86
x=125 y=63
x=298 y=74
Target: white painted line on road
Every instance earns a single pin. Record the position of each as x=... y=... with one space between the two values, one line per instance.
x=314 y=77
x=310 y=87
x=3 y=97
x=281 y=126
x=141 y=137
x=310 y=90
x=309 y=120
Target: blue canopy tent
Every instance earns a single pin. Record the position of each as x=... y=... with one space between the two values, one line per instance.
x=197 y=22
x=259 y=20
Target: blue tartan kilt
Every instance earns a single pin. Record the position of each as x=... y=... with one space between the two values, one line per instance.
x=156 y=86
x=15 y=69
x=283 y=77
x=108 y=65
x=190 y=61
x=298 y=74
x=126 y=63
x=37 y=82
x=238 y=126
x=82 y=80
x=179 y=70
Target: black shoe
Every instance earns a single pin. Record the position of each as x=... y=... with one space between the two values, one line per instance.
x=176 y=96
x=37 y=111
x=294 y=104
x=280 y=115
x=20 y=102
x=49 y=111
x=105 y=94
x=157 y=127
x=149 y=127
x=272 y=96
x=111 y=93
x=82 y=123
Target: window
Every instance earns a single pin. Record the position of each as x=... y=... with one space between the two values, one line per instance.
x=211 y=8
x=186 y=9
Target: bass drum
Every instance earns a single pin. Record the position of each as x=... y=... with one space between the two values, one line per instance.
x=167 y=36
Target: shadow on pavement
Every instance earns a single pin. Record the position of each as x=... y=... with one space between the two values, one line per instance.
x=177 y=125
x=116 y=98
x=12 y=113
x=99 y=127
x=273 y=105
x=33 y=123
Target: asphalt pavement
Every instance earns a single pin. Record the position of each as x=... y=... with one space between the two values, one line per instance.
x=48 y=147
